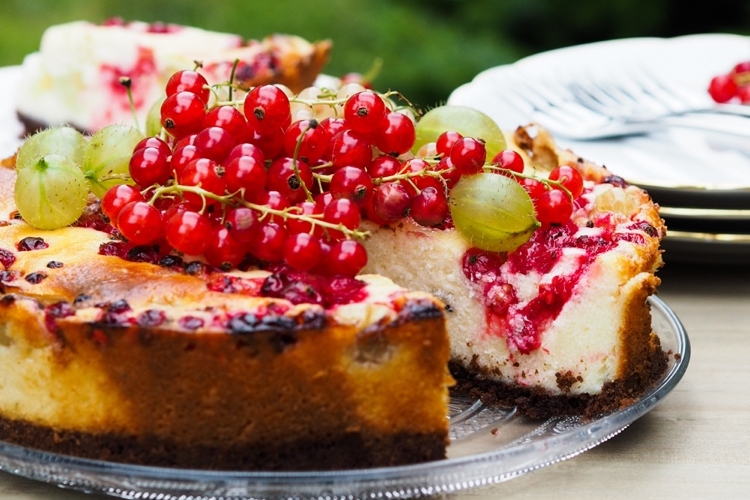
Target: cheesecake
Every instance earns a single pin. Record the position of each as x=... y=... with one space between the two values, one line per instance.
x=304 y=291
x=83 y=72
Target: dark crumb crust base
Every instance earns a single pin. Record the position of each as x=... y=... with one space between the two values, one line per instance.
x=538 y=404
x=351 y=450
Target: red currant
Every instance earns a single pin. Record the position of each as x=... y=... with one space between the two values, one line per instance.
x=553 y=207
x=569 y=178
x=185 y=141
x=309 y=209
x=149 y=166
x=117 y=197
x=182 y=114
x=283 y=178
x=334 y=125
x=384 y=166
x=182 y=156
x=240 y=222
x=247 y=175
x=396 y=134
x=302 y=251
x=722 y=88
x=364 y=111
x=352 y=183
x=270 y=141
x=273 y=200
x=246 y=149
x=349 y=148
x=369 y=212
x=188 y=232
x=154 y=142
x=509 y=160
x=341 y=211
x=267 y=108
x=268 y=241
x=307 y=140
x=230 y=119
x=390 y=201
x=222 y=250
x=445 y=142
x=140 y=223
x=205 y=173
x=190 y=81
x=214 y=143
x=418 y=182
x=347 y=257
x=450 y=174
x=532 y=186
x=429 y=207
x=468 y=155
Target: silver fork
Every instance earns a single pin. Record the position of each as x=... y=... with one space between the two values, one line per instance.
x=590 y=109
x=642 y=96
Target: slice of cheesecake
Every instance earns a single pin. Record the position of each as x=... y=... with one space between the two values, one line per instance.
x=561 y=325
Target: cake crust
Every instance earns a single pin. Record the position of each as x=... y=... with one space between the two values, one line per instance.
x=276 y=399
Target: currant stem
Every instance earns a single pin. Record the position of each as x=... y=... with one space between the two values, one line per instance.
x=308 y=193
x=111 y=177
x=231 y=79
x=548 y=182
x=287 y=213
x=127 y=83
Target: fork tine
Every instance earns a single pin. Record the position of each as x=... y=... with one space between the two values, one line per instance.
x=545 y=105
x=617 y=97
x=675 y=97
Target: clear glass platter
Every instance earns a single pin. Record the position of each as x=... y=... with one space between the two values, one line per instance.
x=488 y=445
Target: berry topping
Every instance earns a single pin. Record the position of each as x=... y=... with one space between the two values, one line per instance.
x=240 y=177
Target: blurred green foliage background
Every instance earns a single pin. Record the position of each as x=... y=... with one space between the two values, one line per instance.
x=428 y=47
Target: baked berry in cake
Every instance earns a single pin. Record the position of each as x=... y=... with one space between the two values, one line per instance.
x=82 y=72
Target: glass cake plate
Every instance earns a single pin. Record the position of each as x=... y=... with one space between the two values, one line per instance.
x=488 y=445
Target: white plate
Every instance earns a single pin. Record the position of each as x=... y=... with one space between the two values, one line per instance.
x=488 y=446
x=710 y=168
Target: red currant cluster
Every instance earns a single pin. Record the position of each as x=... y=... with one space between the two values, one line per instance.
x=242 y=177
x=733 y=85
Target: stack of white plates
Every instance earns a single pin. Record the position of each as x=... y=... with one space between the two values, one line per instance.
x=700 y=179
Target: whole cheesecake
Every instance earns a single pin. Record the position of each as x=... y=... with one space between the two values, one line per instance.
x=76 y=77
x=322 y=327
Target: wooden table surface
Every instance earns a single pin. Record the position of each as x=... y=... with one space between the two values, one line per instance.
x=694 y=445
